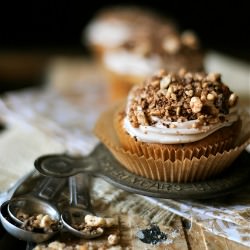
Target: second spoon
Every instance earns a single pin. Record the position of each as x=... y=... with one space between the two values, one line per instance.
x=80 y=206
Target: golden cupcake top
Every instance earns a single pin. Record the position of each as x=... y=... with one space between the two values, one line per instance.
x=181 y=97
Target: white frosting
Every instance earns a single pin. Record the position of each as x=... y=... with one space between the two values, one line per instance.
x=108 y=33
x=182 y=133
x=124 y=62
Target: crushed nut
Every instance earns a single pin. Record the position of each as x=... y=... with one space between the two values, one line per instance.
x=110 y=222
x=143 y=49
x=22 y=216
x=189 y=92
x=89 y=230
x=56 y=245
x=188 y=77
x=171 y=44
x=170 y=90
x=94 y=221
x=165 y=82
x=45 y=221
x=134 y=121
x=40 y=222
x=173 y=96
x=111 y=243
x=155 y=112
x=172 y=125
x=182 y=72
x=232 y=99
x=189 y=39
x=213 y=77
x=113 y=239
x=178 y=111
x=196 y=104
x=155 y=83
x=160 y=73
x=203 y=97
x=141 y=117
x=210 y=97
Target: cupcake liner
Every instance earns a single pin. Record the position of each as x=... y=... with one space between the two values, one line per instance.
x=179 y=170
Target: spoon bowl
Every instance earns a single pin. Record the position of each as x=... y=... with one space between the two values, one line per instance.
x=13 y=228
x=31 y=206
x=80 y=206
x=75 y=216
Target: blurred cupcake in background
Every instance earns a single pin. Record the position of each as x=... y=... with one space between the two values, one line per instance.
x=131 y=43
x=148 y=51
x=114 y=26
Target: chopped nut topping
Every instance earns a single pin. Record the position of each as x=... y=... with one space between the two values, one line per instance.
x=182 y=72
x=196 y=104
x=189 y=39
x=155 y=83
x=143 y=48
x=94 y=225
x=232 y=99
x=110 y=222
x=94 y=221
x=46 y=221
x=172 y=125
x=160 y=73
x=141 y=117
x=180 y=97
x=171 y=44
x=189 y=92
x=213 y=77
x=38 y=223
x=210 y=97
x=165 y=82
x=22 y=216
x=113 y=239
x=56 y=245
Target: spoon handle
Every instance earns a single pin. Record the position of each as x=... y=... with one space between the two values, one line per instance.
x=50 y=187
x=62 y=165
x=79 y=191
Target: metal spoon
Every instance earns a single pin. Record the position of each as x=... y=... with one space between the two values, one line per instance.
x=39 y=201
x=80 y=206
x=14 y=229
x=32 y=203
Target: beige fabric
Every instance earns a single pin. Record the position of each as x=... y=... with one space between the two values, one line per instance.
x=19 y=146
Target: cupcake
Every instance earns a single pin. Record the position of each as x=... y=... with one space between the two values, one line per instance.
x=177 y=127
x=146 y=52
x=115 y=26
